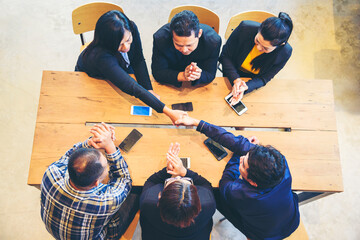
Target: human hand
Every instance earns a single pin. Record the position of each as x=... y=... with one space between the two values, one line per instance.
x=238 y=91
x=178 y=168
x=103 y=137
x=192 y=72
x=187 y=121
x=153 y=93
x=112 y=129
x=174 y=114
x=253 y=140
x=174 y=149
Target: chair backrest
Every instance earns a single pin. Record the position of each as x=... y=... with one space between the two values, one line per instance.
x=257 y=16
x=205 y=16
x=84 y=18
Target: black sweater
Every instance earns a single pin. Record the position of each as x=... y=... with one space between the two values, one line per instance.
x=239 y=45
x=167 y=62
x=153 y=227
x=100 y=63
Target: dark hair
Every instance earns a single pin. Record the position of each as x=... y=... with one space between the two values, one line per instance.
x=277 y=30
x=179 y=204
x=266 y=166
x=109 y=31
x=84 y=167
x=184 y=23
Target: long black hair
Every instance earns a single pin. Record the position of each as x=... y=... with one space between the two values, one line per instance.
x=109 y=31
x=277 y=31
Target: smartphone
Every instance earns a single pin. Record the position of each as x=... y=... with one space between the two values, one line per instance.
x=141 y=110
x=186 y=162
x=130 y=140
x=216 y=149
x=239 y=108
x=188 y=106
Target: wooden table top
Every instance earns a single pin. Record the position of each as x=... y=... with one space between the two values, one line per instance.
x=70 y=99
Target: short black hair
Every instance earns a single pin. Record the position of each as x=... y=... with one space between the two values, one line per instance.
x=277 y=30
x=179 y=204
x=266 y=166
x=84 y=166
x=184 y=23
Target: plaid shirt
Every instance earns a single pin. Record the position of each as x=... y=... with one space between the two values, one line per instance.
x=73 y=214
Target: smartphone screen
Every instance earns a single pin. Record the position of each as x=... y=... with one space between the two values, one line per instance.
x=141 y=110
x=130 y=140
x=239 y=108
x=188 y=106
x=216 y=149
x=186 y=162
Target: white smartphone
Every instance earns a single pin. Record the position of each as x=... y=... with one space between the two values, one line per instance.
x=186 y=162
x=141 y=110
x=239 y=108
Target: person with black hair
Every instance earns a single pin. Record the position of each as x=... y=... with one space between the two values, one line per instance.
x=256 y=51
x=185 y=51
x=75 y=204
x=115 y=53
x=255 y=189
x=176 y=203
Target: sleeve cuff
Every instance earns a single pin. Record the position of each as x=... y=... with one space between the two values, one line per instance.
x=85 y=144
x=113 y=156
x=200 y=127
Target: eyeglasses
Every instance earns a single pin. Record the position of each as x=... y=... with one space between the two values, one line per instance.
x=170 y=180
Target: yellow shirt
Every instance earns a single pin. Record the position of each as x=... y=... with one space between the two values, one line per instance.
x=246 y=66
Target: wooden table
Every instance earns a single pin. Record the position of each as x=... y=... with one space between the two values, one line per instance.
x=305 y=108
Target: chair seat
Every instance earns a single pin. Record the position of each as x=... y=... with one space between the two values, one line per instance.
x=131 y=229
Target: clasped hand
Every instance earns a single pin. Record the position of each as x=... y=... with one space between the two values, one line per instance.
x=192 y=72
x=174 y=164
x=103 y=137
x=238 y=91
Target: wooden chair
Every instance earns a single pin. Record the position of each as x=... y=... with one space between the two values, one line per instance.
x=257 y=16
x=84 y=18
x=205 y=16
x=299 y=234
x=131 y=229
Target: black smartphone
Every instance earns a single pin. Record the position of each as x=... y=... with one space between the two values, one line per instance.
x=130 y=140
x=188 y=106
x=186 y=162
x=216 y=149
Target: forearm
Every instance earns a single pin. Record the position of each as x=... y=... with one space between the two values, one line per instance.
x=254 y=84
x=198 y=179
x=156 y=178
x=168 y=76
x=142 y=75
x=118 y=166
x=239 y=144
x=206 y=77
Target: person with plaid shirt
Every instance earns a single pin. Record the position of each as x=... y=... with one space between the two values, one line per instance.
x=74 y=202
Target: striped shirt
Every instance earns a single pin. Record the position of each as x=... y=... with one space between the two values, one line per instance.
x=73 y=214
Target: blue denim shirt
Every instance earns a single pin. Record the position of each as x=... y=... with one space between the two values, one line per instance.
x=264 y=213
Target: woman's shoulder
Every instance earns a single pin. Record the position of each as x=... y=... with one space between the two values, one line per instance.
x=248 y=25
x=286 y=50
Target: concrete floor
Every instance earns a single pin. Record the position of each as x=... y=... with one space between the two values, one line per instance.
x=37 y=35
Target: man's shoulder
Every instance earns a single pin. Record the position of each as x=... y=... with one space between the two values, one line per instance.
x=209 y=35
x=163 y=34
